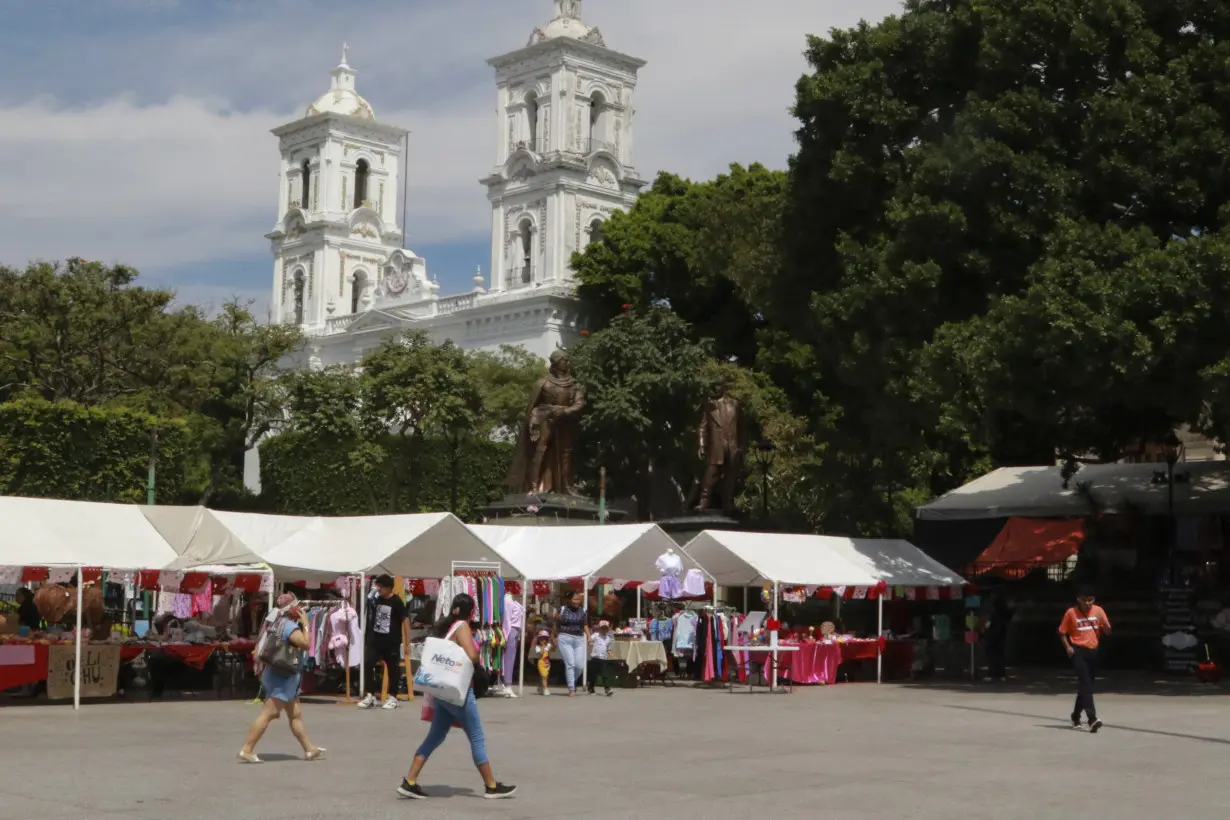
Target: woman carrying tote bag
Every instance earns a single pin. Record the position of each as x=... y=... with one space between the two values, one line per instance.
x=279 y=659
x=455 y=627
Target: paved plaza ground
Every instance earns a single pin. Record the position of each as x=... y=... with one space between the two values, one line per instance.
x=851 y=751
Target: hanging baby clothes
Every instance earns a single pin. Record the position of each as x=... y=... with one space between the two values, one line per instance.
x=694 y=584
x=685 y=634
x=345 y=636
x=670 y=565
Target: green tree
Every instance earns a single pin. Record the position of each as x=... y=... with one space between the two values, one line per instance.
x=504 y=379
x=695 y=247
x=645 y=379
x=979 y=191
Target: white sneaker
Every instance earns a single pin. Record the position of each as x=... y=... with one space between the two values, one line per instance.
x=368 y=702
x=546 y=693
x=391 y=703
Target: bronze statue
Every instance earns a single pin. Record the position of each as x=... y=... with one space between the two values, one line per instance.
x=542 y=462
x=722 y=448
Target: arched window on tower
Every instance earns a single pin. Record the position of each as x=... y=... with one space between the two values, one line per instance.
x=361 y=172
x=357 y=291
x=305 y=171
x=596 y=231
x=597 y=122
x=531 y=117
x=527 y=251
x=298 y=296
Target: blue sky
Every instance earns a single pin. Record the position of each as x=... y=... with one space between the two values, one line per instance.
x=138 y=130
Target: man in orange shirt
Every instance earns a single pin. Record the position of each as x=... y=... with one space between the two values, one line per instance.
x=1080 y=630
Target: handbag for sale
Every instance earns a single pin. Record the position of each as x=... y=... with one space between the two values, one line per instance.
x=445 y=670
x=277 y=653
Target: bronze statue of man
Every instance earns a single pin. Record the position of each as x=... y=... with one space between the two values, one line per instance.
x=722 y=448
x=543 y=459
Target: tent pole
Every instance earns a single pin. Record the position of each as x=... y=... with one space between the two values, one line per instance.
x=744 y=600
x=585 y=656
x=77 y=663
x=879 y=636
x=638 y=602
x=525 y=621
x=363 y=630
x=773 y=640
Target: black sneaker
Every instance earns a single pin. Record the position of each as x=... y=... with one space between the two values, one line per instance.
x=1076 y=721
x=609 y=692
x=499 y=791
x=414 y=792
x=1094 y=725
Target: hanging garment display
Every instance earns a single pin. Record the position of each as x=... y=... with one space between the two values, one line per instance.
x=694 y=584
x=670 y=566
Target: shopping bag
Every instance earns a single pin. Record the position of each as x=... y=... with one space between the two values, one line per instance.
x=429 y=712
x=445 y=670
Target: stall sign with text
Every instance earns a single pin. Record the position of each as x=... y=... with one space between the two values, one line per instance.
x=100 y=668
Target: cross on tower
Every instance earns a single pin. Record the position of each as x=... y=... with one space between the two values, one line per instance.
x=568 y=9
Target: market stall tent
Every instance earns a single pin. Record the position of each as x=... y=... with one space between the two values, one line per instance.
x=748 y=558
x=626 y=552
x=619 y=551
x=1039 y=492
x=895 y=562
x=54 y=532
x=420 y=546
x=200 y=536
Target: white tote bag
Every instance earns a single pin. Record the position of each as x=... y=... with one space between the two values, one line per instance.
x=445 y=670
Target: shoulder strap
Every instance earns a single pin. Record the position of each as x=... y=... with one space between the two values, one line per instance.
x=456 y=625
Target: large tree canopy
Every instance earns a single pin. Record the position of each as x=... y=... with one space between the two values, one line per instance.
x=1003 y=236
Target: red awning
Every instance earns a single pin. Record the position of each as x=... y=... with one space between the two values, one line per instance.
x=1026 y=544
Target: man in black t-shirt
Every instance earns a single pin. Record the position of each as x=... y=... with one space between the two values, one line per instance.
x=388 y=631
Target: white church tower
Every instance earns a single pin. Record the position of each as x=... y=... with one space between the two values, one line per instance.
x=564 y=160
x=336 y=244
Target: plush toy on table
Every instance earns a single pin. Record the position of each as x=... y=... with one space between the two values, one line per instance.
x=827 y=631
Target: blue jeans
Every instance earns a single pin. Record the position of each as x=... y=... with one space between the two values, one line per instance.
x=572 y=650
x=446 y=715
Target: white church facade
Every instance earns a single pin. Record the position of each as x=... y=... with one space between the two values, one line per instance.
x=563 y=165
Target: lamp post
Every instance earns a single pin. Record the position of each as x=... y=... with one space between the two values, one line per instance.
x=1172 y=449
x=764 y=454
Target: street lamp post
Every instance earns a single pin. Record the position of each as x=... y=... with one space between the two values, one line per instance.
x=764 y=454
x=1172 y=449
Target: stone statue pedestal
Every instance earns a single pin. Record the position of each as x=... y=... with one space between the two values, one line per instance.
x=549 y=510
x=683 y=528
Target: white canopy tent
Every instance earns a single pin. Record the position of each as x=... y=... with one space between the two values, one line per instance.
x=746 y=558
x=53 y=532
x=202 y=537
x=627 y=552
x=420 y=546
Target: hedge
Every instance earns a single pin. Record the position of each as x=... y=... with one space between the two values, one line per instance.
x=82 y=453
x=305 y=475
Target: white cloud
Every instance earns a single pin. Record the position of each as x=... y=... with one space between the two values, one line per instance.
x=192 y=177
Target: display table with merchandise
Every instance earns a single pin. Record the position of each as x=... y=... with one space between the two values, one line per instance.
x=810 y=663
x=24 y=663
x=649 y=657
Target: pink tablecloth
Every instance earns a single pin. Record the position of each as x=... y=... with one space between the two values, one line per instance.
x=813 y=663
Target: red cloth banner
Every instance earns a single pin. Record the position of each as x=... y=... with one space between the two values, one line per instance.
x=148 y=578
x=512 y=587
x=542 y=588
x=248 y=582
x=221 y=584
x=34 y=574
x=193 y=583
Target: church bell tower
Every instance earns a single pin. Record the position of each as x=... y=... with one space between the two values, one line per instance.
x=564 y=150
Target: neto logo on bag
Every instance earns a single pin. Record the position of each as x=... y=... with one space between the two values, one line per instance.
x=444 y=660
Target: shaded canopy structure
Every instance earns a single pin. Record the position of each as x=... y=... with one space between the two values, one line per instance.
x=1039 y=492
x=1026 y=544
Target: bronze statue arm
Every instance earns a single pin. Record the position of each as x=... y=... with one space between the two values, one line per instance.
x=578 y=403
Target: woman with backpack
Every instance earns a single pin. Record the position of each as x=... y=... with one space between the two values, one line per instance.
x=455 y=627
x=279 y=663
